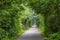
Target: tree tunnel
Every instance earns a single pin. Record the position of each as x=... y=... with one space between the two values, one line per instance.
x=49 y=10
x=18 y=15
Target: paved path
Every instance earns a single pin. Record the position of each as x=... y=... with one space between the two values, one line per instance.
x=31 y=34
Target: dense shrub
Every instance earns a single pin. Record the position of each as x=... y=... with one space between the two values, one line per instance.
x=7 y=24
x=10 y=25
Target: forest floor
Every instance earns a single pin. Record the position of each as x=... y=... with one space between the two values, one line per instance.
x=31 y=34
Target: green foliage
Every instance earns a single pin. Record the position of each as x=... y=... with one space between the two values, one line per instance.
x=54 y=36
x=7 y=24
x=13 y=19
x=18 y=15
x=50 y=11
x=40 y=22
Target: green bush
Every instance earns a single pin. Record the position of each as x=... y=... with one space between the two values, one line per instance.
x=12 y=21
x=54 y=36
x=7 y=24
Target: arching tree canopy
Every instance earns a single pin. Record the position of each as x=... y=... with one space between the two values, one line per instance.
x=18 y=15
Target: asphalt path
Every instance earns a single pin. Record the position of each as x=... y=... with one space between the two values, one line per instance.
x=31 y=34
